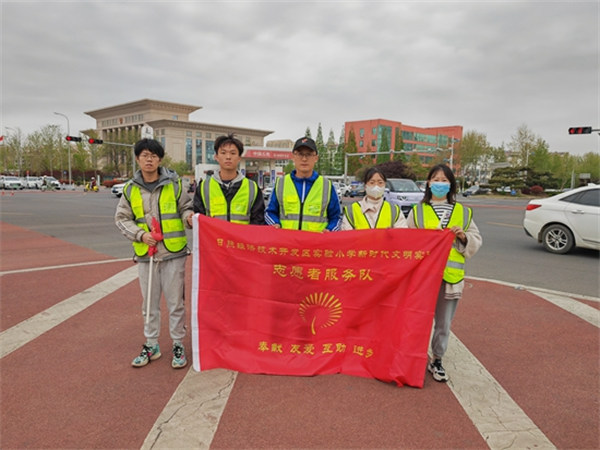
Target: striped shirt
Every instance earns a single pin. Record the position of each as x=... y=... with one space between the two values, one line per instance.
x=443 y=210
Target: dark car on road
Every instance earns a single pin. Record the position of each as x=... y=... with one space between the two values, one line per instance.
x=356 y=190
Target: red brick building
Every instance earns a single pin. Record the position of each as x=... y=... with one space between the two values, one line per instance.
x=370 y=134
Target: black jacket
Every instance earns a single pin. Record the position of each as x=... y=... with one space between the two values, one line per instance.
x=257 y=212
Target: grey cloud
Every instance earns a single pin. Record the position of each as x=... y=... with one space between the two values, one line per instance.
x=489 y=66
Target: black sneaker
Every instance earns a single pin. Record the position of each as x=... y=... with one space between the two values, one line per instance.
x=179 y=359
x=437 y=370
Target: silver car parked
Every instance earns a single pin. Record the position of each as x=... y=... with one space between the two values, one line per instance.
x=404 y=192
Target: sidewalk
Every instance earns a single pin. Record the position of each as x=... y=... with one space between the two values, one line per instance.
x=519 y=362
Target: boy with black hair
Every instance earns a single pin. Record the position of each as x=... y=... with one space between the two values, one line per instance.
x=227 y=194
x=155 y=196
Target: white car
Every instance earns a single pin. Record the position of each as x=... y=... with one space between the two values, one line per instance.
x=567 y=220
x=404 y=192
x=13 y=183
x=33 y=182
x=117 y=189
x=50 y=182
x=339 y=189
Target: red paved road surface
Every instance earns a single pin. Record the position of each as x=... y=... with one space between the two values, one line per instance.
x=73 y=386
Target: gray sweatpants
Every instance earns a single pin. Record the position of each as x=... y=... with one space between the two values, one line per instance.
x=168 y=279
x=444 y=313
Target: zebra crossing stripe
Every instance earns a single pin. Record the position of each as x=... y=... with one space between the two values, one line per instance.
x=26 y=331
x=500 y=421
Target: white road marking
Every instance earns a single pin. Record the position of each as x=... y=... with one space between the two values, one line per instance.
x=191 y=417
x=500 y=421
x=63 y=266
x=24 y=332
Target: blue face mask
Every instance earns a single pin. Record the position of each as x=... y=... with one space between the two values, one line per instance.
x=439 y=189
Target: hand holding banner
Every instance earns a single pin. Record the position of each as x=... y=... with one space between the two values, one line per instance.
x=291 y=302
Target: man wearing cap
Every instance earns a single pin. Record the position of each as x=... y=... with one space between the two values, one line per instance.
x=303 y=199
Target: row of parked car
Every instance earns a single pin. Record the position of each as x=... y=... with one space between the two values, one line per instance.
x=10 y=182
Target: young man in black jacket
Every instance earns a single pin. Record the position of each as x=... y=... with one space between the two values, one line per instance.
x=227 y=194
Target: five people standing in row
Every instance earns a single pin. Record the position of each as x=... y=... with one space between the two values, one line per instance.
x=301 y=200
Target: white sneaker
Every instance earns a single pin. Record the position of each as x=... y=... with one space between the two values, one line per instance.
x=437 y=370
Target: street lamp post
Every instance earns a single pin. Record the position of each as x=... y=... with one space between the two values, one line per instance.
x=68 y=146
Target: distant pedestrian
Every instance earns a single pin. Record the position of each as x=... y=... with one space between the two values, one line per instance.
x=156 y=193
x=373 y=211
x=303 y=199
x=439 y=210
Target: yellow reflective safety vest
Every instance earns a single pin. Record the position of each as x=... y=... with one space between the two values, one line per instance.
x=425 y=217
x=388 y=214
x=171 y=225
x=240 y=207
x=310 y=215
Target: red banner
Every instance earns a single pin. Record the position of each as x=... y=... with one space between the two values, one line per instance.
x=284 y=302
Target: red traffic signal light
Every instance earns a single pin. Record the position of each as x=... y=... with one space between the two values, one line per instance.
x=73 y=139
x=580 y=130
x=95 y=141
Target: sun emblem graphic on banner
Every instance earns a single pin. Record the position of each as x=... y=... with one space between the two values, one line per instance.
x=320 y=310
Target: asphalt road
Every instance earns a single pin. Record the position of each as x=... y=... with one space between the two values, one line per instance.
x=507 y=254
x=62 y=300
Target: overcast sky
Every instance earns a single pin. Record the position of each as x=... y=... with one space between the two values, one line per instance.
x=490 y=66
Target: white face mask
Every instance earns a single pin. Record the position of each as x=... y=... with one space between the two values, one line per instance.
x=375 y=191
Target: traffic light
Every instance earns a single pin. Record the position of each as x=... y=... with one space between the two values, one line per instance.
x=580 y=130
x=95 y=141
x=73 y=139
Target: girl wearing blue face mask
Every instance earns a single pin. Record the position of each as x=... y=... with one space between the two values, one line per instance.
x=439 y=210
x=373 y=211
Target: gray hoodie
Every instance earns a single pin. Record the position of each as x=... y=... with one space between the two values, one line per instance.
x=125 y=220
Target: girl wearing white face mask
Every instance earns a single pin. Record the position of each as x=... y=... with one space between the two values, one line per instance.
x=439 y=210
x=373 y=211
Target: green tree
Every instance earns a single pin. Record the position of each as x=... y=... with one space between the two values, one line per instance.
x=498 y=154
x=322 y=162
x=384 y=147
x=474 y=147
x=507 y=176
x=523 y=145
x=398 y=141
x=539 y=159
x=331 y=150
x=562 y=166
x=589 y=163
x=181 y=167
x=44 y=147
x=338 y=161
x=399 y=146
x=288 y=167
x=351 y=148
x=13 y=159
x=397 y=169
x=414 y=164
x=120 y=157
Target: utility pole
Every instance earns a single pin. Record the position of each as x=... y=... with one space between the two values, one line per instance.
x=68 y=146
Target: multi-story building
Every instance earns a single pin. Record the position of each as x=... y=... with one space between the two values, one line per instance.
x=191 y=142
x=370 y=134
